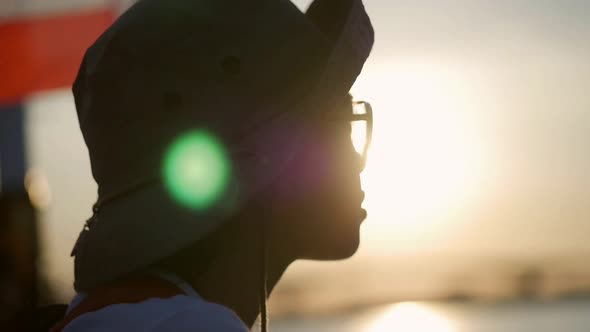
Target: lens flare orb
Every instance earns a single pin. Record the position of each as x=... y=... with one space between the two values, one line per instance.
x=196 y=170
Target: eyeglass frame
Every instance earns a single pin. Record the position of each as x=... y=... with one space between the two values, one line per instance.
x=368 y=118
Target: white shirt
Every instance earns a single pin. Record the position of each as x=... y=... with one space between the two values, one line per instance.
x=180 y=313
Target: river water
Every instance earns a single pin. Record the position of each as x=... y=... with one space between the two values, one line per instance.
x=521 y=316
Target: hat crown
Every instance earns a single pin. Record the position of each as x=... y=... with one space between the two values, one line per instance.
x=165 y=67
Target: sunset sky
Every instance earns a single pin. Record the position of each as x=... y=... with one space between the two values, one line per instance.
x=481 y=140
x=482 y=127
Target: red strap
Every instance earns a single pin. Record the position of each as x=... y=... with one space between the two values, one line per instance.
x=127 y=291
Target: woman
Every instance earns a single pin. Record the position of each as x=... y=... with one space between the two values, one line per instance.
x=219 y=137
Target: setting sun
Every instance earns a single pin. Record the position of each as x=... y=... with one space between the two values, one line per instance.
x=427 y=155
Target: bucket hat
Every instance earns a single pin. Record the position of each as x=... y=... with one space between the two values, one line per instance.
x=235 y=74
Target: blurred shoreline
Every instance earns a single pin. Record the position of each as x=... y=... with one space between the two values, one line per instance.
x=362 y=283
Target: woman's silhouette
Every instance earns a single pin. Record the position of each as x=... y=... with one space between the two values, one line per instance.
x=219 y=136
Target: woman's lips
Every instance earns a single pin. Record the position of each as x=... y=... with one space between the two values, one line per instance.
x=363 y=215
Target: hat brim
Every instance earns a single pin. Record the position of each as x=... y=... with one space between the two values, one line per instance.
x=347 y=25
x=142 y=219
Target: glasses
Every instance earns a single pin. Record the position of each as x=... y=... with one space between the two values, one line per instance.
x=362 y=129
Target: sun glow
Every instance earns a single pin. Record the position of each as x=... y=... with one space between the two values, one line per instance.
x=428 y=155
x=411 y=317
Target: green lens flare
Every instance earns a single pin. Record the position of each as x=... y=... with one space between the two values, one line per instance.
x=196 y=170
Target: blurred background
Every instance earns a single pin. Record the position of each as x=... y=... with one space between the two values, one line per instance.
x=477 y=184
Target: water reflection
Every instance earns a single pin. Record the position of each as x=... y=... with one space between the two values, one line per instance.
x=411 y=317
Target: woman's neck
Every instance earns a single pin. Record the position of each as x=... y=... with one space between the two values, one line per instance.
x=235 y=278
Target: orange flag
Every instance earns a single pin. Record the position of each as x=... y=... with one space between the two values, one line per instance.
x=45 y=52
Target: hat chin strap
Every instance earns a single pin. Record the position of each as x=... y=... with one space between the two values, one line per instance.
x=263 y=285
x=263 y=292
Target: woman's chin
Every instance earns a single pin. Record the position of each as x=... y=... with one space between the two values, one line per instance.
x=336 y=248
x=347 y=251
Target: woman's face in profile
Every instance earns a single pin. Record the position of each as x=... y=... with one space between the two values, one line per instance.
x=319 y=208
